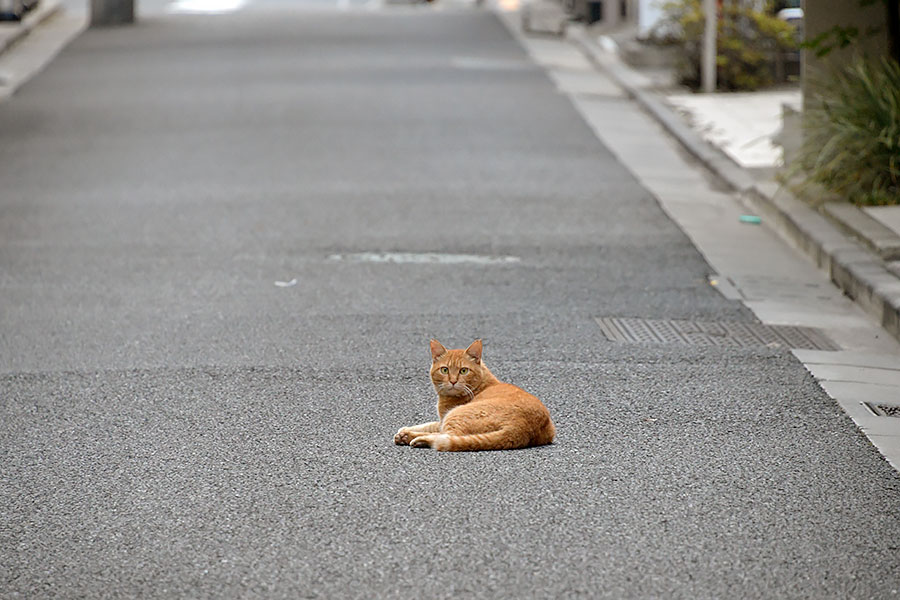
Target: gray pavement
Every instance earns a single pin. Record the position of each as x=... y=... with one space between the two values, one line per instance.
x=174 y=424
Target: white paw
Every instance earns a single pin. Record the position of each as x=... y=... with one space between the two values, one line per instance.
x=403 y=437
x=438 y=441
x=422 y=441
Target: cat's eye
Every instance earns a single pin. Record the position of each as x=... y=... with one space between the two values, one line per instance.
x=445 y=370
x=464 y=370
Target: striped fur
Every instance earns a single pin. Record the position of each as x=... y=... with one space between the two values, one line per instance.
x=477 y=411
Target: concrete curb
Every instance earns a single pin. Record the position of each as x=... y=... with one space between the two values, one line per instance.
x=861 y=274
x=12 y=33
x=871 y=232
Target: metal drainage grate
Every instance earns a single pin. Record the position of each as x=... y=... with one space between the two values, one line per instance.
x=884 y=410
x=713 y=333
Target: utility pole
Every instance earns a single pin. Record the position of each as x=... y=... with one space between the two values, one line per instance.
x=111 y=12
x=708 y=55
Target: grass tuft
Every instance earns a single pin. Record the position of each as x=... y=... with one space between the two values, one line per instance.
x=852 y=132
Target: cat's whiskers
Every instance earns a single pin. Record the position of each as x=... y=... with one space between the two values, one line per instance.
x=469 y=393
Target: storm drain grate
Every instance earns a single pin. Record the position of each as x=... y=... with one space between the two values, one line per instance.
x=884 y=410
x=713 y=333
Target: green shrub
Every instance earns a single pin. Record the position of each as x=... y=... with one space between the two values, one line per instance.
x=851 y=130
x=747 y=43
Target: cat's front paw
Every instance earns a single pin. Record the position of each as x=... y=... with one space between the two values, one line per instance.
x=403 y=437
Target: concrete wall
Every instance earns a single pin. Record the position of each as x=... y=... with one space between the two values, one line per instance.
x=822 y=15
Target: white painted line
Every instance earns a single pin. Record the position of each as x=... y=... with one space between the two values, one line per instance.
x=205 y=6
x=475 y=63
x=424 y=258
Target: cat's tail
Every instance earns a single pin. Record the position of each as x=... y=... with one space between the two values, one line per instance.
x=502 y=439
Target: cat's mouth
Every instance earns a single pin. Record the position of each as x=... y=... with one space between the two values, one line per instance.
x=459 y=389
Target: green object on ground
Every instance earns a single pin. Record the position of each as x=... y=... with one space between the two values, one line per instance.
x=750 y=219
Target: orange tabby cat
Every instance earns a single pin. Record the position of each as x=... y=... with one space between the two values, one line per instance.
x=477 y=410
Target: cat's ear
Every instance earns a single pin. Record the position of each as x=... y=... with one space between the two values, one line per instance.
x=437 y=350
x=474 y=351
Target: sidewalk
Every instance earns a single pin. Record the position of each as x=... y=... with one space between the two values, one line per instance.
x=745 y=126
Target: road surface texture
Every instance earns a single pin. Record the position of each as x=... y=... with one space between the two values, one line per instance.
x=173 y=423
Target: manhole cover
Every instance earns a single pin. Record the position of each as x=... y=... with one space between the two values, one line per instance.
x=713 y=333
x=884 y=410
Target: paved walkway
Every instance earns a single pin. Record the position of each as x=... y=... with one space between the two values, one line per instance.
x=743 y=125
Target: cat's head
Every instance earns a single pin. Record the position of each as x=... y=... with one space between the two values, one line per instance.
x=456 y=372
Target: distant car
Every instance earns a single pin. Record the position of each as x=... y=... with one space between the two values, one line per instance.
x=791 y=15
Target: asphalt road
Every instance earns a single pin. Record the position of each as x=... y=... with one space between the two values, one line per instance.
x=174 y=424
